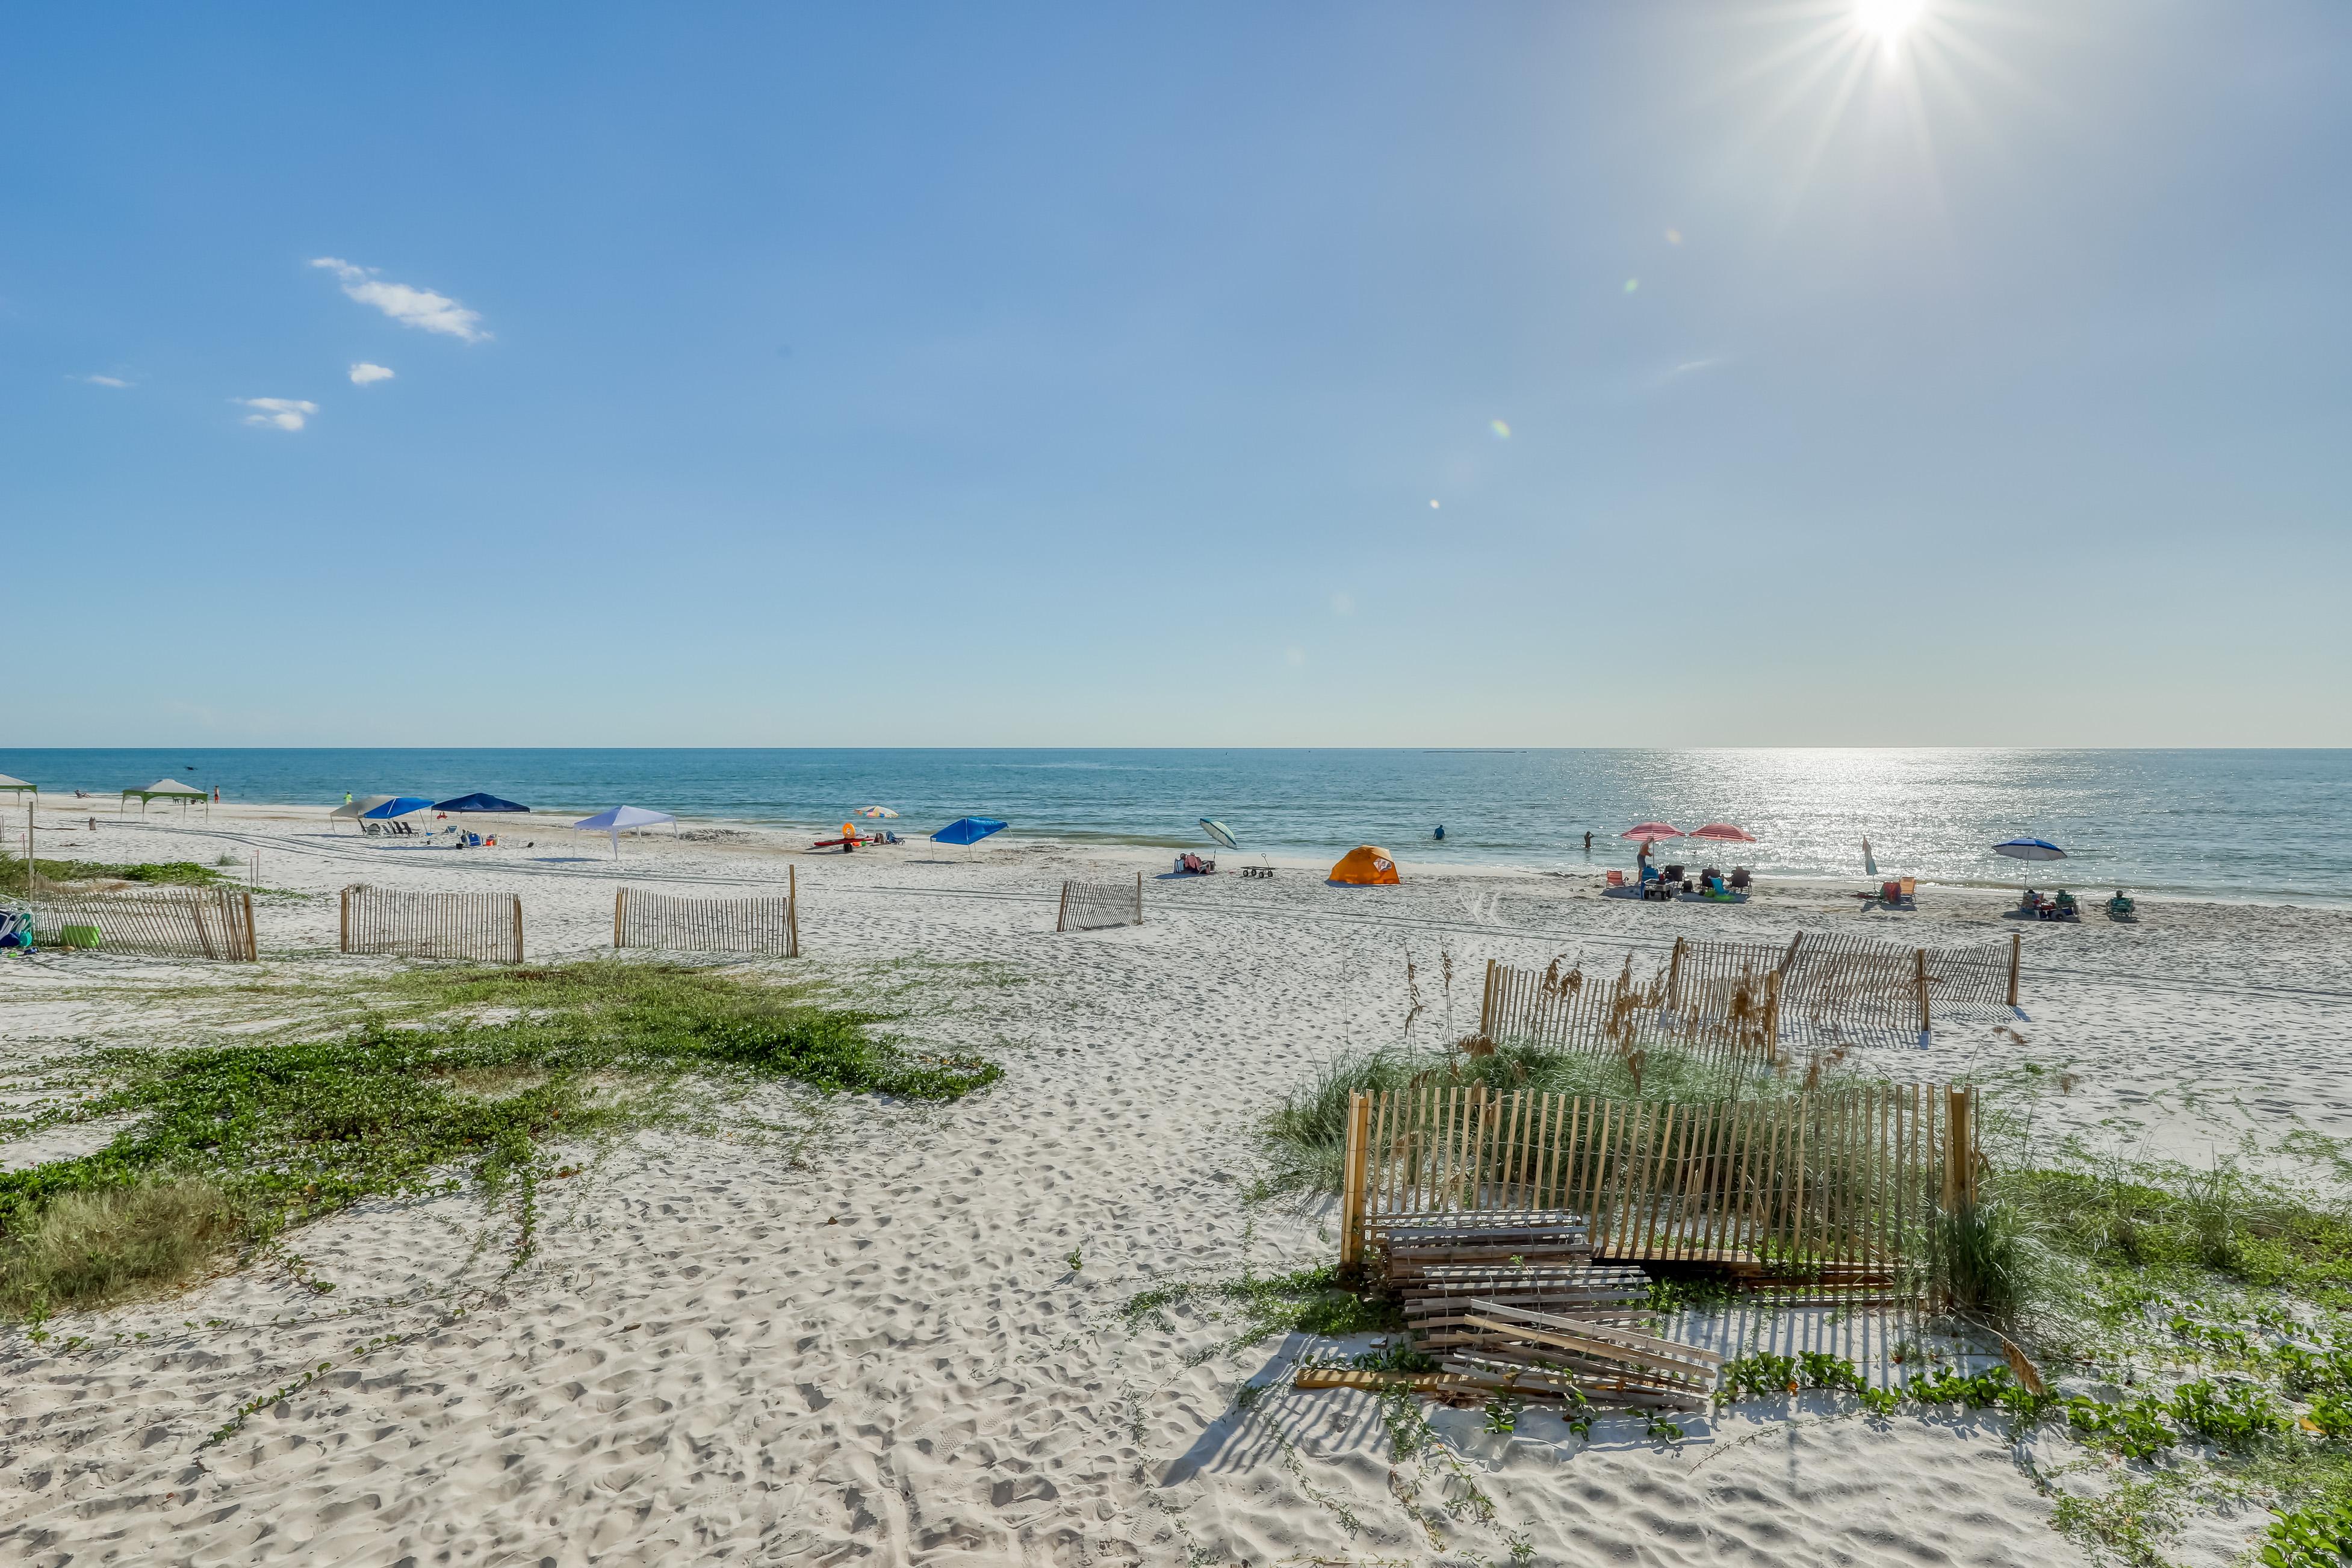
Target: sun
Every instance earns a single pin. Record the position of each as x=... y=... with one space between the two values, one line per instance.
x=1889 y=20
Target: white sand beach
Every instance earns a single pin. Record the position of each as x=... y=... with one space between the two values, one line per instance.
x=842 y=1332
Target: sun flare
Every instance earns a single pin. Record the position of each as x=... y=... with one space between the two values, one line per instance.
x=1889 y=20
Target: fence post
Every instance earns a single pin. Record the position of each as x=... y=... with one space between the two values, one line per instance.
x=1062 y=911
x=518 y=927
x=792 y=910
x=1487 y=1004
x=1772 y=1017
x=1919 y=960
x=2016 y=949
x=1964 y=1141
x=620 y=897
x=252 y=937
x=1789 y=956
x=347 y=920
x=1674 y=975
x=1956 y=1117
x=1351 y=1187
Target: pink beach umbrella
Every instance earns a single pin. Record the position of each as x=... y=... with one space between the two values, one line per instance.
x=1723 y=834
x=1652 y=830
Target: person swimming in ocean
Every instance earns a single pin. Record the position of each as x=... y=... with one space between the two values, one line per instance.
x=1441 y=830
x=1588 y=843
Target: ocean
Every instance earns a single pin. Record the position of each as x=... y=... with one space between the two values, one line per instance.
x=2260 y=825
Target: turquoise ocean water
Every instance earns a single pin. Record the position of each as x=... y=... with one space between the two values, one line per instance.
x=2244 y=824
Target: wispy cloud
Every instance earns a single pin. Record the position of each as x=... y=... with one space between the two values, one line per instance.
x=409 y=307
x=276 y=412
x=102 y=381
x=363 y=372
x=1674 y=373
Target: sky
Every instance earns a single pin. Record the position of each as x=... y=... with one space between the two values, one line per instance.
x=1675 y=374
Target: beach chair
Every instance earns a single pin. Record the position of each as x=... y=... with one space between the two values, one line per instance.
x=1739 y=879
x=2120 y=908
x=1616 y=879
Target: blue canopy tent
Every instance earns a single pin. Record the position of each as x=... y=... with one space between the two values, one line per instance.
x=967 y=830
x=478 y=802
x=398 y=806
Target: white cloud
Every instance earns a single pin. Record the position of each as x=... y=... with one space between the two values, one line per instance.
x=409 y=307
x=363 y=372
x=104 y=381
x=281 y=413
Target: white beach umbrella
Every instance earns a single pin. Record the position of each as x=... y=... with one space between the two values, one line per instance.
x=620 y=817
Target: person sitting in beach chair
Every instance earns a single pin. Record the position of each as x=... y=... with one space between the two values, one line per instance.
x=1739 y=879
x=2120 y=907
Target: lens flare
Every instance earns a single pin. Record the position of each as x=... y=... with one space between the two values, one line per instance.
x=1889 y=20
x=1502 y=431
x=1631 y=283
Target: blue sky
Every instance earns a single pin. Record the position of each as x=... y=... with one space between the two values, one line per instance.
x=1076 y=375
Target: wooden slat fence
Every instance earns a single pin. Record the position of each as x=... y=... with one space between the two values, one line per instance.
x=1839 y=1186
x=1819 y=991
x=1567 y=1010
x=766 y=925
x=485 y=925
x=179 y=923
x=1090 y=906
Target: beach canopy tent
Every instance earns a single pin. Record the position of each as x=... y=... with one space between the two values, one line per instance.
x=1366 y=865
x=397 y=806
x=18 y=784
x=967 y=830
x=169 y=789
x=2029 y=850
x=614 y=821
x=478 y=802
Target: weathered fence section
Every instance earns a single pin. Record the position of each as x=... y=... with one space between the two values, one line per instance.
x=769 y=925
x=1089 y=905
x=1725 y=998
x=1728 y=1021
x=179 y=923
x=486 y=925
x=1834 y=1187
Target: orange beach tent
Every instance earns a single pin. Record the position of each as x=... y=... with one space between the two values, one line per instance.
x=1365 y=866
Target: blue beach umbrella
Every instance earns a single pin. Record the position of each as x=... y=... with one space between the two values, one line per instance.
x=967 y=830
x=478 y=802
x=2029 y=850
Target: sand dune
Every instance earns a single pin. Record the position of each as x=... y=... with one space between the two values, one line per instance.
x=858 y=1340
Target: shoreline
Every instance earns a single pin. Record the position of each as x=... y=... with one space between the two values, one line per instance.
x=1594 y=866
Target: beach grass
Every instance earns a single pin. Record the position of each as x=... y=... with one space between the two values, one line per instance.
x=172 y=873
x=232 y=1144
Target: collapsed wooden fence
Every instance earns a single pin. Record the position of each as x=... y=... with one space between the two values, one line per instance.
x=1839 y=1187
x=1728 y=999
x=179 y=923
x=1090 y=906
x=485 y=925
x=769 y=925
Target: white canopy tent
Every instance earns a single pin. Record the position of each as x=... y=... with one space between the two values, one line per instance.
x=620 y=817
x=18 y=784
x=359 y=807
x=168 y=790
